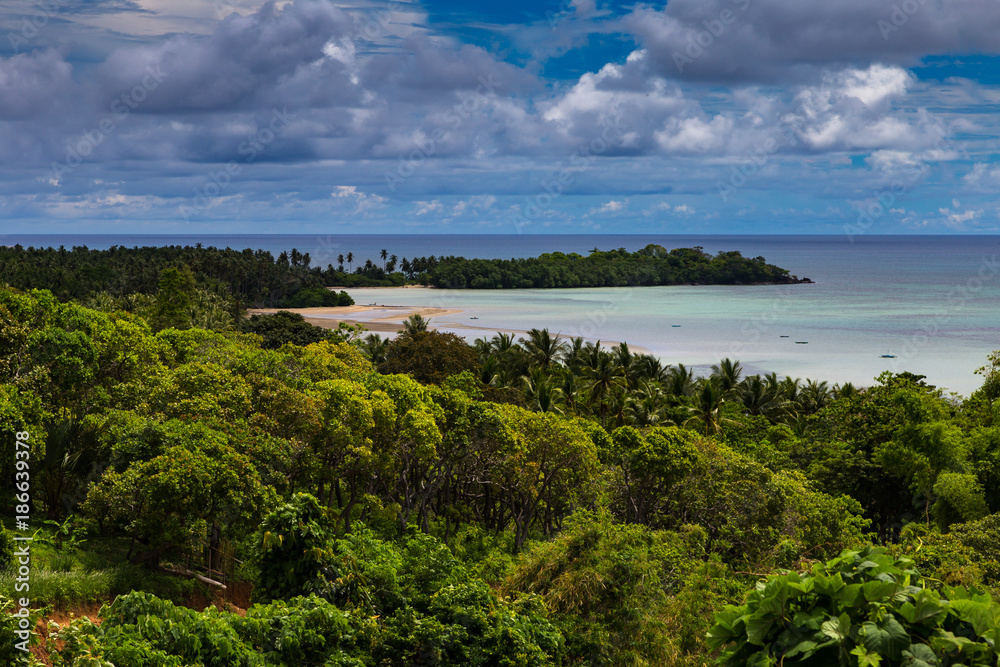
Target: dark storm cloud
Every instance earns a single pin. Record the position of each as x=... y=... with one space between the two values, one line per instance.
x=243 y=60
x=772 y=40
x=33 y=85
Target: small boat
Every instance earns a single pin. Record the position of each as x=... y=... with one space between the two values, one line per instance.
x=473 y=318
x=675 y=326
x=888 y=356
x=801 y=342
x=782 y=336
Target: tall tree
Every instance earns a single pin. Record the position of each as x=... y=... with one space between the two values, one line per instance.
x=174 y=299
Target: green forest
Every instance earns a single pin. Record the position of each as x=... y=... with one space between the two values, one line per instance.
x=206 y=489
x=229 y=281
x=652 y=265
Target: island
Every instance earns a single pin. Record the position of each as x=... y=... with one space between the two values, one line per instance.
x=652 y=265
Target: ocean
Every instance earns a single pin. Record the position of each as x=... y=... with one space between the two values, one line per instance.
x=931 y=301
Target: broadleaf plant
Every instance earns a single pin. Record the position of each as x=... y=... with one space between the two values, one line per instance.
x=859 y=609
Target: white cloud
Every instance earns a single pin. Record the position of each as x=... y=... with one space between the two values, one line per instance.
x=425 y=207
x=364 y=202
x=608 y=208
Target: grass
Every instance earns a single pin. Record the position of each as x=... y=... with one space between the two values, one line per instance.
x=95 y=572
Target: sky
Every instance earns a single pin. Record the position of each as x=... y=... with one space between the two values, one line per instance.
x=569 y=116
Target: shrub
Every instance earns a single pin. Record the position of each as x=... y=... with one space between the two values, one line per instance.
x=6 y=549
x=862 y=608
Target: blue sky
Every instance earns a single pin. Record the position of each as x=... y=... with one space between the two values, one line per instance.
x=577 y=116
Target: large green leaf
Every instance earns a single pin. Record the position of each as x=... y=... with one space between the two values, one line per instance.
x=982 y=616
x=926 y=609
x=837 y=628
x=757 y=629
x=878 y=591
x=919 y=655
x=887 y=638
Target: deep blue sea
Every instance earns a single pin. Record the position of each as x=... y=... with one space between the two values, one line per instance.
x=932 y=301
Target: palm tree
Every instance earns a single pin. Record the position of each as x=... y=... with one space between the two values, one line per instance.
x=489 y=370
x=503 y=343
x=790 y=389
x=340 y=262
x=625 y=359
x=571 y=390
x=846 y=390
x=620 y=407
x=540 y=391
x=591 y=355
x=415 y=323
x=649 y=367
x=574 y=352
x=604 y=378
x=680 y=381
x=705 y=411
x=727 y=372
x=393 y=260
x=759 y=397
x=350 y=260
x=375 y=347
x=384 y=254
x=647 y=408
x=543 y=348
x=814 y=396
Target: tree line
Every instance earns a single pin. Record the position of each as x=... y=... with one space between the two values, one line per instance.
x=243 y=278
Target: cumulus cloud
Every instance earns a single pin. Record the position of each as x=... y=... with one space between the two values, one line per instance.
x=415 y=121
x=364 y=202
x=608 y=208
x=34 y=84
x=772 y=40
x=425 y=207
x=983 y=177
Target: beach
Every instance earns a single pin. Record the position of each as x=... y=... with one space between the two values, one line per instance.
x=384 y=319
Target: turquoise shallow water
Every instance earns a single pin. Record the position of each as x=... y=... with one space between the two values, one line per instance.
x=932 y=304
x=930 y=300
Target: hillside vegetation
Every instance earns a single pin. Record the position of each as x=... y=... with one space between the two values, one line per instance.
x=532 y=501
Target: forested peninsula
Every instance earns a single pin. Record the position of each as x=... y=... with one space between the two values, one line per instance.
x=255 y=278
x=180 y=490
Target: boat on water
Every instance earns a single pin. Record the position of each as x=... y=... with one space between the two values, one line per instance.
x=782 y=336
x=888 y=356
x=473 y=318
x=801 y=342
x=675 y=326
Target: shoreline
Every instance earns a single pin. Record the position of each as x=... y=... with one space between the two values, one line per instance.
x=331 y=317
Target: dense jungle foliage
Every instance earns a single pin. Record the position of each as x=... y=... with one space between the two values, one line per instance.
x=229 y=279
x=518 y=501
